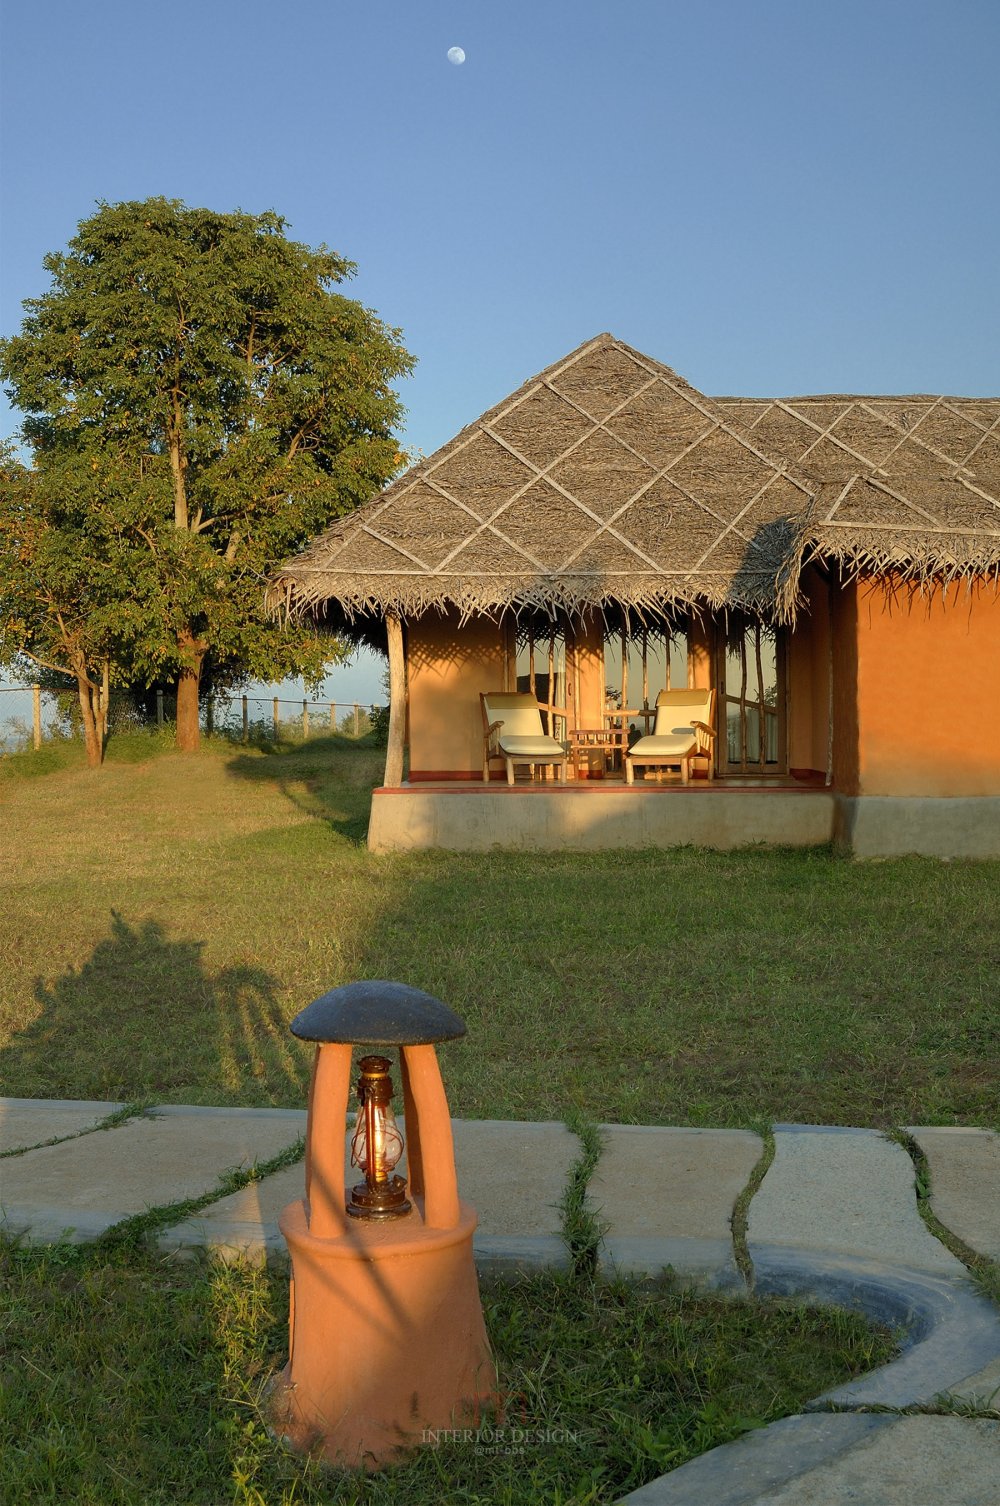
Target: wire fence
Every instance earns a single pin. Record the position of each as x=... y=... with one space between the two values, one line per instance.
x=41 y=715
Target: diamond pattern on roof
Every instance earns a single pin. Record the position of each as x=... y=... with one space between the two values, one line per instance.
x=723 y=468
x=604 y=555
x=601 y=474
x=782 y=433
x=868 y=433
x=541 y=427
x=433 y=525
x=952 y=437
x=488 y=554
x=542 y=521
x=600 y=381
x=660 y=425
x=984 y=462
x=477 y=471
x=372 y=555
x=829 y=461
x=868 y=504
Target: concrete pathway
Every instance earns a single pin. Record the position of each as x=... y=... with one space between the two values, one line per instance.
x=834 y=1219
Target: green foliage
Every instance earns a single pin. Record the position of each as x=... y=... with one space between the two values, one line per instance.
x=379 y=718
x=200 y=402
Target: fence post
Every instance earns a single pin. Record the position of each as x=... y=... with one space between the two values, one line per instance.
x=159 y=708
x=357 y=720
x=276 y=718
x=36 y=715
x=333 y=716
x=305 y=720
x=246 y=720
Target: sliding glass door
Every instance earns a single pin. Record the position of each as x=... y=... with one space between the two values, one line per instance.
x=751 y=684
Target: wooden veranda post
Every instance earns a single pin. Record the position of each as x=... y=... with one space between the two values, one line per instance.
x=397 y=702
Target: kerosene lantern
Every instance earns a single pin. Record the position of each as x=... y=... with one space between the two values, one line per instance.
x=376 y=1146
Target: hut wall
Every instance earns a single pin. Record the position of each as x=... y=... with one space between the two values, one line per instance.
x=928 y=667
x=447 y=667
x=809 y=671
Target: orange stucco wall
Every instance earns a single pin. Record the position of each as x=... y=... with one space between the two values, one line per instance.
x=447 y=667
x=928 y=691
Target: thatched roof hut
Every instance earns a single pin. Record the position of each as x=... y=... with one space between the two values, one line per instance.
x=608 y=479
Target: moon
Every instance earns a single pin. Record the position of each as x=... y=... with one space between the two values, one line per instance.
x=456 y=56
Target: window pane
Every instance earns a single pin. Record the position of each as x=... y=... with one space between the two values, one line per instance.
x=771 y=728
x=753 y=734
x=734 y=669
x=734 y=751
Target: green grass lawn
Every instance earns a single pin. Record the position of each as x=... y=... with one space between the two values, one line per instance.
x=164 y=918
x=144 y=1385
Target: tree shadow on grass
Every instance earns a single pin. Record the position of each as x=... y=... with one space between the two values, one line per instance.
x=330 y=778
x=144 y=1018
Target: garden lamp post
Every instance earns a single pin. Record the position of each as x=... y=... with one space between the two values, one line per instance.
x=386 y=1332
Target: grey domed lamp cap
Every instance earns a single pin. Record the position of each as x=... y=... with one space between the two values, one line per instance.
x=377 y=1013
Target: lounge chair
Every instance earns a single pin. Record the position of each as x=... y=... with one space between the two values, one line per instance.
x=512 y=730
x=682 y=731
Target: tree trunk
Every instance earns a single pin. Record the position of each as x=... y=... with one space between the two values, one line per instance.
x=188 y=682
x=188 y=727
x=93 y=730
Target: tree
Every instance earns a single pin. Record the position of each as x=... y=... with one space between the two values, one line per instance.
x=54 y=611
x=203 y=402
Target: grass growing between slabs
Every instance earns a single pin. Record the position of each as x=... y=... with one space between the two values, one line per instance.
x=165 y=917
x=135 y=1380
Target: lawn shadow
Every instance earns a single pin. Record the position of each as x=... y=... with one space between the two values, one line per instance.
x=330 y=778
x=144 y=1018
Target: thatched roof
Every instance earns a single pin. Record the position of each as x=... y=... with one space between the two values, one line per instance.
x=608 y=479
x=902 y=485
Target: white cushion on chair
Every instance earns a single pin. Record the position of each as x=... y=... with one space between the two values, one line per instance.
x=540 y=748
x=677 y=744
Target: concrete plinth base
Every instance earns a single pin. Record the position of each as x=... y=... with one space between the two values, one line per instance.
x=890 y=826
x=474 y=818
x=387 y=1340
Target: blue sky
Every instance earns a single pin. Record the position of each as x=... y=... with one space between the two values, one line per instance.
x=774 y=197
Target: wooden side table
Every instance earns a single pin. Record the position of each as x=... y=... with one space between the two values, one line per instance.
x=592 y=749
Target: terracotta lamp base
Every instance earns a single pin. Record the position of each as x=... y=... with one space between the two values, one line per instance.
x=387 y=1338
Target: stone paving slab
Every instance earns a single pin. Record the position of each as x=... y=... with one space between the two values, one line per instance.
x=32 y=1121
x=965 y=1183
x=88 y=1184
x=844 y=1460
x=847 y=1191
x=513 y=1174
x=981 y=1389
x=930 y=1460
x=666 y=1196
